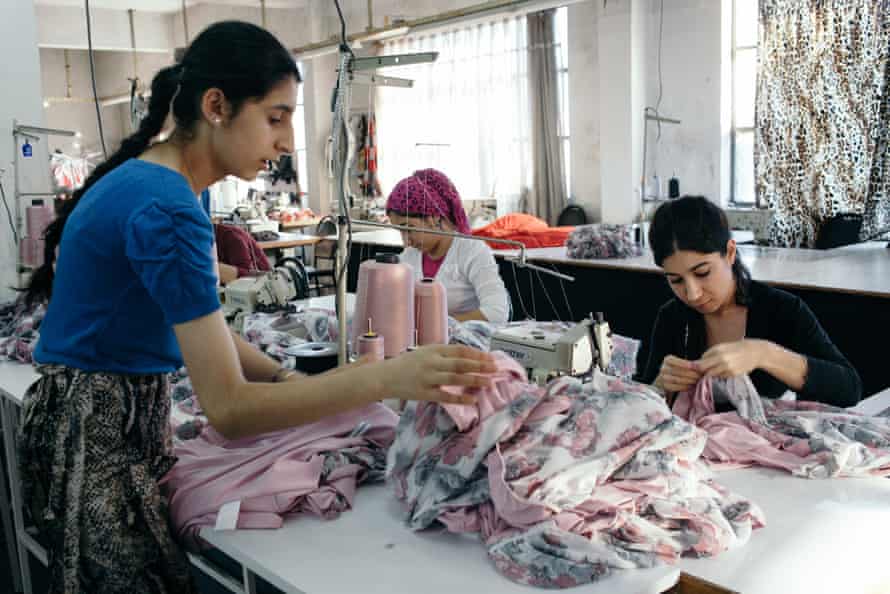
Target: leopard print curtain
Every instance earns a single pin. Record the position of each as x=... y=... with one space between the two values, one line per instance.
x=822 y=140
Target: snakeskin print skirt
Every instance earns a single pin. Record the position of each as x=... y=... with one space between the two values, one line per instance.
x=92 y=449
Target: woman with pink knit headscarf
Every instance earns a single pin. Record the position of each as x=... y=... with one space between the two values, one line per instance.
x=428 y=200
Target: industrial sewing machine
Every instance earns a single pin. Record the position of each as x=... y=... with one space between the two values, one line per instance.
x=270 y=291
x=551 y=349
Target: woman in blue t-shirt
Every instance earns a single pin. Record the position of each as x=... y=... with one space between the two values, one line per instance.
x=132 y=296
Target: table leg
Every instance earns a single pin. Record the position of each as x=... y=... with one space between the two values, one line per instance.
x=9 y=426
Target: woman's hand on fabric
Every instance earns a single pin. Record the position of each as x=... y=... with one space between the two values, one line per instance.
x=732 y=359
x=677 y=375
x=421 y=374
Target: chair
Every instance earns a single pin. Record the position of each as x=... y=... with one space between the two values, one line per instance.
x=572 y=216
x=840 y=230
x=324 y=256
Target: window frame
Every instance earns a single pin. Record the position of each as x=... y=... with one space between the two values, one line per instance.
x=735 y=129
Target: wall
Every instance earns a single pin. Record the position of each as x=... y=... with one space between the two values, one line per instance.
x=584 y=122
x=20 y=100
x=65 y=26
x=691 y=74
x=291 y=26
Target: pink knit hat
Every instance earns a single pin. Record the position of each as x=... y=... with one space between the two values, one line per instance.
x=429 y=192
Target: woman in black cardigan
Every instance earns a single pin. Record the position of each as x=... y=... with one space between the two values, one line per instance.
x=723 y=324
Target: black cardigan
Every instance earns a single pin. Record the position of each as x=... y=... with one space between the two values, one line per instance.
x=773 y=315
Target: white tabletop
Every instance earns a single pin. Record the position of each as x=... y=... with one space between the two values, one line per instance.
x=15 y=379
x=821 y=536
x=862 y=269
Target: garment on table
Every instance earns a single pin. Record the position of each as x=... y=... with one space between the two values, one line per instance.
x=140 y=242
x=471 y=279
x=602 y=241
x=20 y=329
x=236 y=247
x=528 y=230
x=807 y=439
x=773 y=315
x=92 y=451
x=314 y=468
x=568 y=484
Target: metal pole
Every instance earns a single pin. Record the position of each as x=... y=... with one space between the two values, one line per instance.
x=341 y=265
x=185 y=24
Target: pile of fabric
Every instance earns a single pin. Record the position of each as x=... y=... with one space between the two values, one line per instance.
x=19 y=330
x=602 y=241
x=808 y=439
x=314 y=468
x=528 y=230
x=566 y=484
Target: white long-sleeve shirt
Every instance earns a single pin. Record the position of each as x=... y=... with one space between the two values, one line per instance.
x=471 y=279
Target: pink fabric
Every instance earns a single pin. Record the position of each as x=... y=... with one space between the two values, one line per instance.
x=807 y=439
x=275 y=474
x=429 y=192
x=565 y=484
x=505 y=385
x=430 y=266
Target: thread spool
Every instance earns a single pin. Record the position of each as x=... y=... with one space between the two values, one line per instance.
x=31 y=250
x=431 y=312
x=37 y=218
x=313 y=357
x=371 y=345
x=385 y=294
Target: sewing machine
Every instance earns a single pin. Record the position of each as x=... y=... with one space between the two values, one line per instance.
x=270 y=291
x=550 y=349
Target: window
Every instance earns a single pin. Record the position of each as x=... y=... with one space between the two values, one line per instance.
x=562 y=65
x=468 y=113
x=744 y=83
x=299 y=120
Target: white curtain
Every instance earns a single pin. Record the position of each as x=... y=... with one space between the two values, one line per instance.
x=467 y=115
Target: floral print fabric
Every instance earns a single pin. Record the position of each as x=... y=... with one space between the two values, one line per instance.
x=566 y=484
x=808 y=439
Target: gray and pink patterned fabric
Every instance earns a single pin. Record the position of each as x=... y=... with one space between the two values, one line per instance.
x=602 y=240
x=808 y=439
x=568 y=484
x=314 y=468
x=19 y=330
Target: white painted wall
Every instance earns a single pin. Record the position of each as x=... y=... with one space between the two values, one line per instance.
x=65 y=26
x=691 y=74
x=584 y=107
x=291 y=26
x=20 y=100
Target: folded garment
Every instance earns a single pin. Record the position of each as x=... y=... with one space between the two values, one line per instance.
x=565 y=484
x=808 y=439
x=314 y=468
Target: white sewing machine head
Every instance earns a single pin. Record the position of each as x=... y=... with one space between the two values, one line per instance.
x=549 y=349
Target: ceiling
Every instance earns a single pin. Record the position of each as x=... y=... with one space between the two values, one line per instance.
x=169 y=5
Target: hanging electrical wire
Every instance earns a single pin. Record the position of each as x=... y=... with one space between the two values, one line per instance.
x=93 y=80
x=15 y=234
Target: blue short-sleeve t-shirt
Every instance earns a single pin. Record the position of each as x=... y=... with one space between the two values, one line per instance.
x=135 y=259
